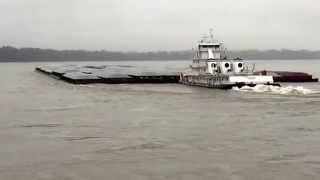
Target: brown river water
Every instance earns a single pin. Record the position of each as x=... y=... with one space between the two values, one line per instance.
x=53 y=130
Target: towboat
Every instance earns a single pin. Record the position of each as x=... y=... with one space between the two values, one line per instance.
x=212 y=68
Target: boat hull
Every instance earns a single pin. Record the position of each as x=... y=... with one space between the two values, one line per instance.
x=220 y=81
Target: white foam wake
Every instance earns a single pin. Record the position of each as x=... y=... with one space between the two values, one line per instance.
x=289 y=90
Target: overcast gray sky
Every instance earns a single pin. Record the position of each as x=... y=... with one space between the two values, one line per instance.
x=142 y=25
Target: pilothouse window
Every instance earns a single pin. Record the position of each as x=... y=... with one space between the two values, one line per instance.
x=208 y=46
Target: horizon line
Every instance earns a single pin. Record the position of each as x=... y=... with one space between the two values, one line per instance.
x=148 y=51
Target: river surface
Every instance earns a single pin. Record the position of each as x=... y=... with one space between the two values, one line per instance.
x=51 y=130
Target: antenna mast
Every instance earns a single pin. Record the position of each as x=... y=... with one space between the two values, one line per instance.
x=211 y=34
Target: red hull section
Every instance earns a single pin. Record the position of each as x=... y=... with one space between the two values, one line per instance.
x=286 y=76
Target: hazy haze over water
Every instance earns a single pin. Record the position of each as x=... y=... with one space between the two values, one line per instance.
x=145 y=25
x=52 y=130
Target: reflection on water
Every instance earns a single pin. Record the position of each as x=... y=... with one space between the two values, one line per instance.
x=53 y=130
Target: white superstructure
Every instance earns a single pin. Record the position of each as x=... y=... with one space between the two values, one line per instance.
x=212 y=68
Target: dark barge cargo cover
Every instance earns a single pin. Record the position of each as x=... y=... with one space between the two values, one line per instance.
x=106 y=75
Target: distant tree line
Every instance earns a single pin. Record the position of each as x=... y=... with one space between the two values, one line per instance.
x=276 y=54
x=12 y=54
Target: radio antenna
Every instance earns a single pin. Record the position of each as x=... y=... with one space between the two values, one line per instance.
x=211 y=34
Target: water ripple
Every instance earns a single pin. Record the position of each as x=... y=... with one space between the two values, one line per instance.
x=145 y=146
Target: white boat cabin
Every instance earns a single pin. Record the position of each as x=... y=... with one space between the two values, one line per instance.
x=210 y=57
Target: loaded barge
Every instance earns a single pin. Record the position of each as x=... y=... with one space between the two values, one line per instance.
x=106 y=75
x=78 y=76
